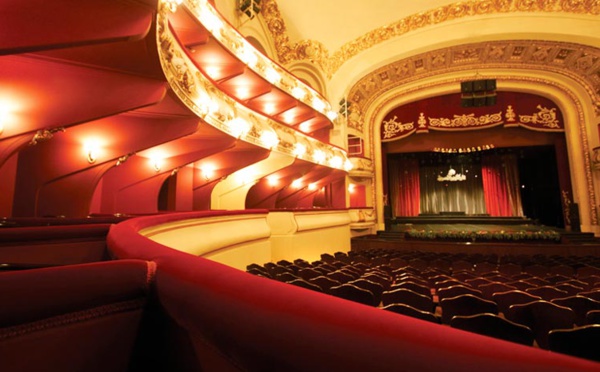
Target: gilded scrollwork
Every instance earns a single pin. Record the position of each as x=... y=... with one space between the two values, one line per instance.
x=467 y=120
x=391 y=127
x=545 y=117
x=330 y=62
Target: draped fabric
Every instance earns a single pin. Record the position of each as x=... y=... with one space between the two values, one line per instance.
x=500 y=176
x=404 y=186
x=451 y=196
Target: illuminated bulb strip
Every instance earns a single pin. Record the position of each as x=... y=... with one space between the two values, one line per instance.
x=224 y=113
x=247 y=53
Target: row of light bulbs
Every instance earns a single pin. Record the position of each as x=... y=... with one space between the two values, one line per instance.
x=254 y=59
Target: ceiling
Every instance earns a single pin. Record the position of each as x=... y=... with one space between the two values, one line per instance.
x=336 y=22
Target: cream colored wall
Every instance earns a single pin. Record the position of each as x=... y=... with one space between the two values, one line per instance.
x=308 y=234
x=238 y=241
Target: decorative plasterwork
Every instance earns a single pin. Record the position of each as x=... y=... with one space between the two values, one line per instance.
x=578 y=62
x=331 y=62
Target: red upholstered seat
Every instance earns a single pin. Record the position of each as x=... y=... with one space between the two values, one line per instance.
x=494 y=326
x=412 y=312
x=580 y=342
x=547 y=293
x=457 y=290
x=580 y=305
x=514 y=297
x=466 y=304
x=541 y=317
x=408 y=297
x=82 y=317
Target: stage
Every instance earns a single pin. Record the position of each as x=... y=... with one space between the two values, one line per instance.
x=479 y=234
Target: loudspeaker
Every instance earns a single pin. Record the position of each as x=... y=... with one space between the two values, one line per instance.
x=466 y=87
x=490 y=84
x=479 y=85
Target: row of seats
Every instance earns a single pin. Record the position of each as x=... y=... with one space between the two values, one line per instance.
x=497 y=304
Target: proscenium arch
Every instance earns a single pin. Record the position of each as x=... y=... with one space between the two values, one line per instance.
x=571 y=98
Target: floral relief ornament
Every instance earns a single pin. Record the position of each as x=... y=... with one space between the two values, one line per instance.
x=546 y=117
x=392 y=127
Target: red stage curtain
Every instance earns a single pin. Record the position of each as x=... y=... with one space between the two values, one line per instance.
x=500 y=176
x=405 y=186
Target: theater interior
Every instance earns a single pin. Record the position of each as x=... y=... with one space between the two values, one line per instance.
x=278 y=185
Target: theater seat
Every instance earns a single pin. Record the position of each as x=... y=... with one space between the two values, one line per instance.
x=580 y=342
x=83 y=317
x=494 y=326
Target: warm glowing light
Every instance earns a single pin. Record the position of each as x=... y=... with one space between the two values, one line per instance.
x=319 y=156
x=273 y=181
x=297 y=183
x=91 y=148
x=269 y=108
x=272 y=76
x=318 y=104
x=269 y=139
x=238 y=127
x=298 y=93
x=210 y=20
x=304 y=127
x=351 y=188
x=312 y=186
x=332 y=115
x=208 y=171
x=243 y=92
x=248 y=56
x=336 y=162
x=348 y=165
x=299 y=150
x=206 y=105
x=156 y=161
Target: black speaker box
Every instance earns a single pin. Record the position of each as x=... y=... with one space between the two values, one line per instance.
x=466 y=87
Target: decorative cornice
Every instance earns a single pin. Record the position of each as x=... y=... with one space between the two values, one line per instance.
x=331 y=62
x=578 y=62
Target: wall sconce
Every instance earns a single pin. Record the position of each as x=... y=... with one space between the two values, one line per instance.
x=156 y=163
x=318 y=104
x=312 y=186
x=332 y=115
x=297 y=183
x=208 y=171
x=272 y=181
x=351 y=188
x=269 y=139
x=91 y=148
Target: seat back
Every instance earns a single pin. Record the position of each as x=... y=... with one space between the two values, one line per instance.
x=541 y=317
x=494 y=326
x=73 y=318
x=466 y=304
x=580 y=305
x=408 y=297
x=408 y=310
x=580 y=342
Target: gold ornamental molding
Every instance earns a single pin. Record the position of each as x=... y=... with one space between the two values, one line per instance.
x=578 y=62
x=586 y=152
x=331 y=62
